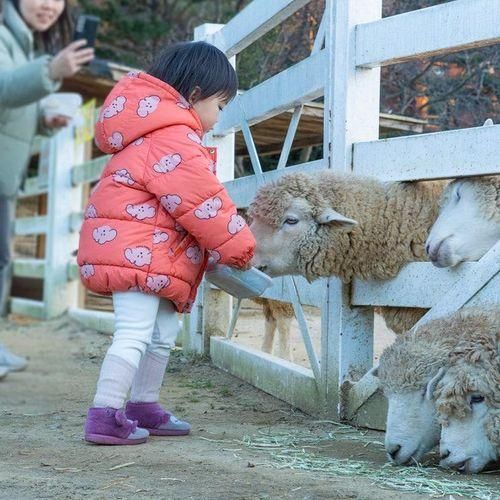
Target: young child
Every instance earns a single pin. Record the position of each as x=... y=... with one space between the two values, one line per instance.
x=152 y=222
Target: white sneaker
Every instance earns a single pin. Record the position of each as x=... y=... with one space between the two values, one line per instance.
x=11 y=361
x=3 y=372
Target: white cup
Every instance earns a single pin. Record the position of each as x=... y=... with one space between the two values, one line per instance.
x=61 y=103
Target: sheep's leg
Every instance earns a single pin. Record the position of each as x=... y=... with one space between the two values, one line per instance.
x=270 y=329
x=284 y=348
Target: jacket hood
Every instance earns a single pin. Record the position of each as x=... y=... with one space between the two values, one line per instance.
x=138 y=105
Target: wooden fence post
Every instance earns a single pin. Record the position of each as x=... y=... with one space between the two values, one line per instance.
x=351 y=115
x=212 y=310
x=63 y=199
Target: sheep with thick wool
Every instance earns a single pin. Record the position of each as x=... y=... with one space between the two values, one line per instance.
x=410 y=369
x=331 y=224
x=467 y=399
x=468 y=224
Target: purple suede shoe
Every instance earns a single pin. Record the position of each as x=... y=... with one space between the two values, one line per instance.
x=110 y=426
x=156 y=420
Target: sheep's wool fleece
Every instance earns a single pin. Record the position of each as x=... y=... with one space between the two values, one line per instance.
x=415 y=357
x=487 y=194
x=474 y=369
x=400 y=319
x=491 y=201
x=393 y=222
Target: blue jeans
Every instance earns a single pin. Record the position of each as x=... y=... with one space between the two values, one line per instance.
x=7 y=214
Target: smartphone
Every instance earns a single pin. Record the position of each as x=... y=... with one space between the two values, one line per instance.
x=86 y=28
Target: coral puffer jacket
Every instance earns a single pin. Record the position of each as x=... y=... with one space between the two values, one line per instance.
x=158 y=212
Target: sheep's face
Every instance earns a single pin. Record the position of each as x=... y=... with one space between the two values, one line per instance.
x=470 y=436
x=468 y=224
x=279 y=244
x=278 y=247
x=412 y=427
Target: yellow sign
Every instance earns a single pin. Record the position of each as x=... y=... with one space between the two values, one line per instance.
x=84 y=130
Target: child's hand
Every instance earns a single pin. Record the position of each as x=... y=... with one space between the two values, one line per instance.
x=246 y=267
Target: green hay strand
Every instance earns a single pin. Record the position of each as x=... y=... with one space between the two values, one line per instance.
x=291 y=451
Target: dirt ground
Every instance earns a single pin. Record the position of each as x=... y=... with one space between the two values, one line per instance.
x=42 y=454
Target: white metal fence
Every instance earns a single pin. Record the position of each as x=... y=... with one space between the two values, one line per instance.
x=344 y=67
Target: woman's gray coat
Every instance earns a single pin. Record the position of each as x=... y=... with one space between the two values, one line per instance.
x=24 y=80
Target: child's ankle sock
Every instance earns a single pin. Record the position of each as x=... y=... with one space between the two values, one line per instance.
x=148 y=379
x=114 y=382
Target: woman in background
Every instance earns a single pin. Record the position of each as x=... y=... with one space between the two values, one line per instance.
x=31 y=32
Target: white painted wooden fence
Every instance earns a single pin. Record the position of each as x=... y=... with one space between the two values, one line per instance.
x=344 y=67
x=352 y=43
x=58 y=156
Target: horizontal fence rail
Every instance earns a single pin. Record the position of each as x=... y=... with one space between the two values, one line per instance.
x=31 y=225
x=28 y=307
x=31 y=188
x=452 y=26
x=253 y=22
x=440 y=155
x=310 y=294
x=419 y=284
x=298 y=84
x=89 y=171
x=102 y=321
x=279 y=377
x=474 y=279
x=29 y=268
x=242 y=190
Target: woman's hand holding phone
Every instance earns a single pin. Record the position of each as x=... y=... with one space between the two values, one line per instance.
x=70 y=60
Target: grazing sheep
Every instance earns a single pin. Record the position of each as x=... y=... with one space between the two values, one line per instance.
x=468 y=401
x=278 y=315
x=348 y=226
x=409 y=371
x=468 y=224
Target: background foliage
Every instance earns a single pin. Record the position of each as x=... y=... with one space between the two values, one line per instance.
x=453 y=91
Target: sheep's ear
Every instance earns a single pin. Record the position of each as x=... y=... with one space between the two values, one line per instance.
x=331 y=216
x=488 y=123
x=431 y=385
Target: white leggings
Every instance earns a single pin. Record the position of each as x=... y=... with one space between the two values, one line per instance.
x=143 y=322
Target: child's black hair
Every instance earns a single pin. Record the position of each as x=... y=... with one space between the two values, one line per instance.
x=187 y=65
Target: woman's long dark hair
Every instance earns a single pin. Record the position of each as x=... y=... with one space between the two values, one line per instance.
x=57 y=36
